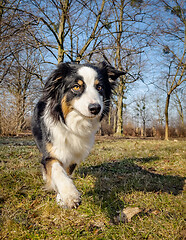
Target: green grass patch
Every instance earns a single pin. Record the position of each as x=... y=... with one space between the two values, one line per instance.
x=118 y=173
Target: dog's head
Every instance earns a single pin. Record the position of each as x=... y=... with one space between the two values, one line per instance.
x=83 y=88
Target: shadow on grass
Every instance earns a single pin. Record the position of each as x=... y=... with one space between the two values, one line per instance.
x=17 y=141
x=120 y=177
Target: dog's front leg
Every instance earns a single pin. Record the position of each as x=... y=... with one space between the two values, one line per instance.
x=67 y=194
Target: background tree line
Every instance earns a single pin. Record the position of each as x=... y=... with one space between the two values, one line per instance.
x=146 y=38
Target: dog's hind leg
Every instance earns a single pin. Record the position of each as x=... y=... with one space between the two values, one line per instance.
x=67 y=194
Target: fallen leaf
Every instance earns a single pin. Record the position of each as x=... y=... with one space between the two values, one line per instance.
x=126 y=214
x=155 y=212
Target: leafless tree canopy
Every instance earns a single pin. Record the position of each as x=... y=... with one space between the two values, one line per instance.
x=144 y=38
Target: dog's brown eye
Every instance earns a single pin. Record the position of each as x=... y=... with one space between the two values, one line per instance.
x=76 y=88
x=99 y=88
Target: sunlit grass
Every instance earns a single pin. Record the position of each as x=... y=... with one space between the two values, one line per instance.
x=148 y=174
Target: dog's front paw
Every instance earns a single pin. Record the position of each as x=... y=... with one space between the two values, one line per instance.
x=69 y=201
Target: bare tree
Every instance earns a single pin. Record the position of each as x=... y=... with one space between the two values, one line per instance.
x=174 y=49
x=120 y=50
x=179 y=102
x=160 y=114
x=117 y=31
x=173 y=82
x=64 y=29
x=142 y=113
x=18 y=83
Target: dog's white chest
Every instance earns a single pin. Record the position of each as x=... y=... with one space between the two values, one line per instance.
x=70 y=148
x=72 y=143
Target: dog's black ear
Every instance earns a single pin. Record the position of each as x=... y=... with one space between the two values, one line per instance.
x=54 y=87
x=55 y=80
x=112 y=72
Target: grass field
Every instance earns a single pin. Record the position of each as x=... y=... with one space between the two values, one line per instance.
x=118 y=173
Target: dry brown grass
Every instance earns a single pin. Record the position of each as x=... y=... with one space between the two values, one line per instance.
x=119 y=173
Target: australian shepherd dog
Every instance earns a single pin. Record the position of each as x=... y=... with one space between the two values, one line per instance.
x=74 y=100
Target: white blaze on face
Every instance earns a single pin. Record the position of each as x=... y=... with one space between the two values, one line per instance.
x=90 y=94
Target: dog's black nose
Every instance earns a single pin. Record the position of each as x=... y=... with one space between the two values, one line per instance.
x=94 y=108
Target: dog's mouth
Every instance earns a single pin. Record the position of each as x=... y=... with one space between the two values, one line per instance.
x=92 y=116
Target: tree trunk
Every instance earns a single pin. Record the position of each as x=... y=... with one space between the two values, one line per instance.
x=144 y=129
x=142 y=133
x=115 y=122
x=0 y=121
x=2 y=4
x=20 y=102
x=119 y=129
x=61 y=35
x=109 y=117
x=1 y=14
x=167 y=117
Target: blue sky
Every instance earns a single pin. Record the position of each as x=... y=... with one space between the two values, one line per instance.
x=153 y=59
